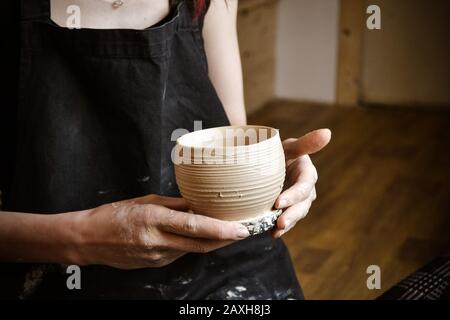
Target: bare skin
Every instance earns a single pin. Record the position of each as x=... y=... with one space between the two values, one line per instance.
x=150 y=231
x=99 y=14
x=153 y=231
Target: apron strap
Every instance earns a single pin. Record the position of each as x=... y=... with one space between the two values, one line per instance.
x=35 y=9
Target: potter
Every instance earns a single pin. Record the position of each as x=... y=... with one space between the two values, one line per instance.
x=89 y=180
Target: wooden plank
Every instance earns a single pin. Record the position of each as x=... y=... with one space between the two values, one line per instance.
x=257 y=33
x=351 y=29
x=251 y=4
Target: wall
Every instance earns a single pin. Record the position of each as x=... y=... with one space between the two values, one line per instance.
x=307 y=42
x=408 y=61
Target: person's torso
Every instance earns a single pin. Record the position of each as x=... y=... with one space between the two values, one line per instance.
x=97 y=116
x=99 y=110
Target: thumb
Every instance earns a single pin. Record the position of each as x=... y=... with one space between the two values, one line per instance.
x=308 y=144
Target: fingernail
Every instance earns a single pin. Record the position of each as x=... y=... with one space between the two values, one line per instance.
x=243 y=232
x=282 y=204
x=287 y=223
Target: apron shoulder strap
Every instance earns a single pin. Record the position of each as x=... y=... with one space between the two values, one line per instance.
x=35 y=9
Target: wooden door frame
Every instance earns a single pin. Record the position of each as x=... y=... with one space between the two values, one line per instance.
x=351 y=34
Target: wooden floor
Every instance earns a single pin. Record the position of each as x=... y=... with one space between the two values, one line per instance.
x=383 y=195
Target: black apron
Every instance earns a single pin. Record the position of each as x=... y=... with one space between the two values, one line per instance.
x=93 y=125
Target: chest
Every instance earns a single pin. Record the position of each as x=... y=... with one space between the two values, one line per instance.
x=109 y=14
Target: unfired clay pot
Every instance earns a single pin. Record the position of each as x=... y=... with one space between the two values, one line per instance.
x=232 y=173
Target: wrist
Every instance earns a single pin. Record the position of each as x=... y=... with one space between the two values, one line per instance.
x=40 y=238
x=71 y=226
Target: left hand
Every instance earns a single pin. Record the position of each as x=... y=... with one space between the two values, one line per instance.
x=301 y=178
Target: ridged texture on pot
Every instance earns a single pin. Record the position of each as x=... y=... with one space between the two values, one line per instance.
x=244 y=187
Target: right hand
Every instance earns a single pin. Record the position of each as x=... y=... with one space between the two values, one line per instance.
x=152 y=231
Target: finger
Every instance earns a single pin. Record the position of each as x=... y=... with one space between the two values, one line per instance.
x=307 y=144
x=187 y=244
x=169 y=202
x=305 y=177
x=198 y=226
x=314 y=195
x=291 y=216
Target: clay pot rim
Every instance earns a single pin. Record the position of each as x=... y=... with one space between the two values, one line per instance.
x=266 y=143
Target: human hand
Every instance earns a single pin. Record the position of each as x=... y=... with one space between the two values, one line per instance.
x=152 y=231
x=301 y=177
